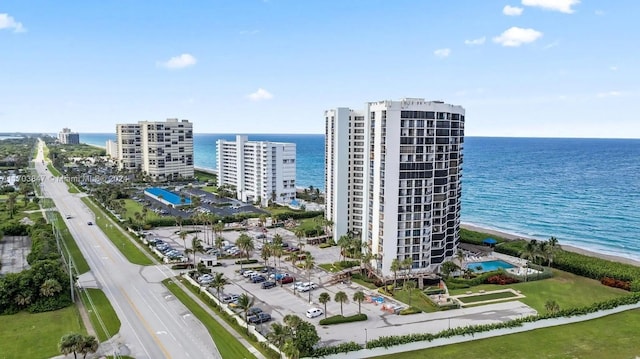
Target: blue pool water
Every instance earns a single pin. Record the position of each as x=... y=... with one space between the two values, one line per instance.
x=488 y=266
x=168 y=196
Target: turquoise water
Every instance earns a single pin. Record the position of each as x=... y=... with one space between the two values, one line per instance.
x=488 y=266
x=167 y=196
x=585 y=192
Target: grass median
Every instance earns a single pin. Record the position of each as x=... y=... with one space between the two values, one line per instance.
x=27 y=335
x=121 y=240
x=107 y=315
x=226 y=342
x=78 y=259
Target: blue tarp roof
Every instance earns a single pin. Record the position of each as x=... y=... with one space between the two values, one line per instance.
x=489 y=241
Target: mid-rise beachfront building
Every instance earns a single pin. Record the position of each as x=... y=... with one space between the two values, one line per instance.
x=111 y=148
x=393 y=178
x=161 y=150
x=66 y=137
x=260 y=171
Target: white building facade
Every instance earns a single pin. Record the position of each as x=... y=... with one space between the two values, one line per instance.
x=111 y=148
x=393 y=178
x=162 y=150
x=66 y=137
x=260 y=171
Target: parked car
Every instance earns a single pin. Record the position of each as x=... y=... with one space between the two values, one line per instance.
x=314 y=312
x=249 y=273
x=254 y=311
x=230 y=298
x=268 y=285
x=307 y=287
x=258 y=279
x=286 y=280
x=260 y=318
x=205 y=276
x=278 y=276
x=89 y=223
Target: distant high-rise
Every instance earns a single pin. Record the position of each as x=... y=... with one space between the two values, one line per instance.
x=162 y=150
x=111 y=148
x=393 y=178
x=66 y=137
x=259 y=170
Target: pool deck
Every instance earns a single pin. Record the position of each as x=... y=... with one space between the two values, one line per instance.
x=166 y=202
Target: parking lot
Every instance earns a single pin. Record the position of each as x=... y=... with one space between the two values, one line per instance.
x=281 y=300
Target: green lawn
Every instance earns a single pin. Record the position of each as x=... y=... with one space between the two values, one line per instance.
x=226 y=342
x=418 y=300
x=107 y=314
x=78 y=259
x=568 y=290
x=132 y=207
x=121 y=240
x=614 y=336
x=25 y=335
x=205 y=176
x=210 y=189
x=490 y=296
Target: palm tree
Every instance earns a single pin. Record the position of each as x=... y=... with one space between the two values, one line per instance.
x=11 y=204
x=179 y=222
x=196 y=246
x=530 y=252
x=87 y=345
x=219 y=242
x=460 y=257
x=410 y=286
x=341 y=297
x=290 y=349
x=299 y=233
x=395 y=267
x=359 y=297
x=265 y=254
x=69 y=344
x=219 y=281
x=278 y=335
x=309 y=262
x=183 y=236
x=552 y=248
x=324 y=298
x=344 y=242
x=50 y=287
x=245 y=303
x=406 y=264
x=245 y=244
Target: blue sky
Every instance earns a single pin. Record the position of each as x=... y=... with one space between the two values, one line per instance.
x=548 y=68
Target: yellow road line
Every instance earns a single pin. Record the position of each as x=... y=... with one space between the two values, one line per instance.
x=146 y=325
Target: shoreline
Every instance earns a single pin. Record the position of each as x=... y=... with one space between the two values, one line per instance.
x=566 y=247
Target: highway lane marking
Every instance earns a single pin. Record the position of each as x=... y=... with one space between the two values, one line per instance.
x=145 y=323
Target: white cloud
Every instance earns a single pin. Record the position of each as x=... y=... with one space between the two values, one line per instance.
x=553 y=44
x=613 y=68
x=442 y=53
x=512 y=10
x=609 y=94
x=478 y=41
x=554 y=5
x=8 y=22
x=516 y=36
x=179 y=62
x=260 y=95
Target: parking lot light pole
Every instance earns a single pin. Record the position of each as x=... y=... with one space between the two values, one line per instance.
x=366 y=338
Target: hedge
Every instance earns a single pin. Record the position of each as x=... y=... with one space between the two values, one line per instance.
x=338 y=319
x=247 y=261
x=388 y=341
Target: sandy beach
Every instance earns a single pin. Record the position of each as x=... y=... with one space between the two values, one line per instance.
x=566 y=247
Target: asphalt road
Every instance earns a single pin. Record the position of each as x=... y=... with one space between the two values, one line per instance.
x=154 y=323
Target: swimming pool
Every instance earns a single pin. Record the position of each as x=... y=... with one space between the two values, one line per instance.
x=167 y=196
x=488 y=266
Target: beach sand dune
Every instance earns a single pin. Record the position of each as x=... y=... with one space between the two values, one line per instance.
x=566 y=247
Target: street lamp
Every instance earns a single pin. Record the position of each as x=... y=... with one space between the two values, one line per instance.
x=366 y=338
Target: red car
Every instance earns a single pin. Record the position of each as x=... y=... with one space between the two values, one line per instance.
x=286 y=280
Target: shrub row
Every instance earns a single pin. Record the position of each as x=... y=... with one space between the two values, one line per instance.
x=336 y=349
x=326 y=245
x=388 y=341
x=247 y=261
x=296 y=215
x=616 y=283
x=410 y=310
x=338 y=319
x=434 y=291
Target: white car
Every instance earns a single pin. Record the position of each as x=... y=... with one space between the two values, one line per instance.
x=249 y=273
x=314 y=312
x=307 y=287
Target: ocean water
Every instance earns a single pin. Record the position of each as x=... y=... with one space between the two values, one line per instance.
x=585 y=192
